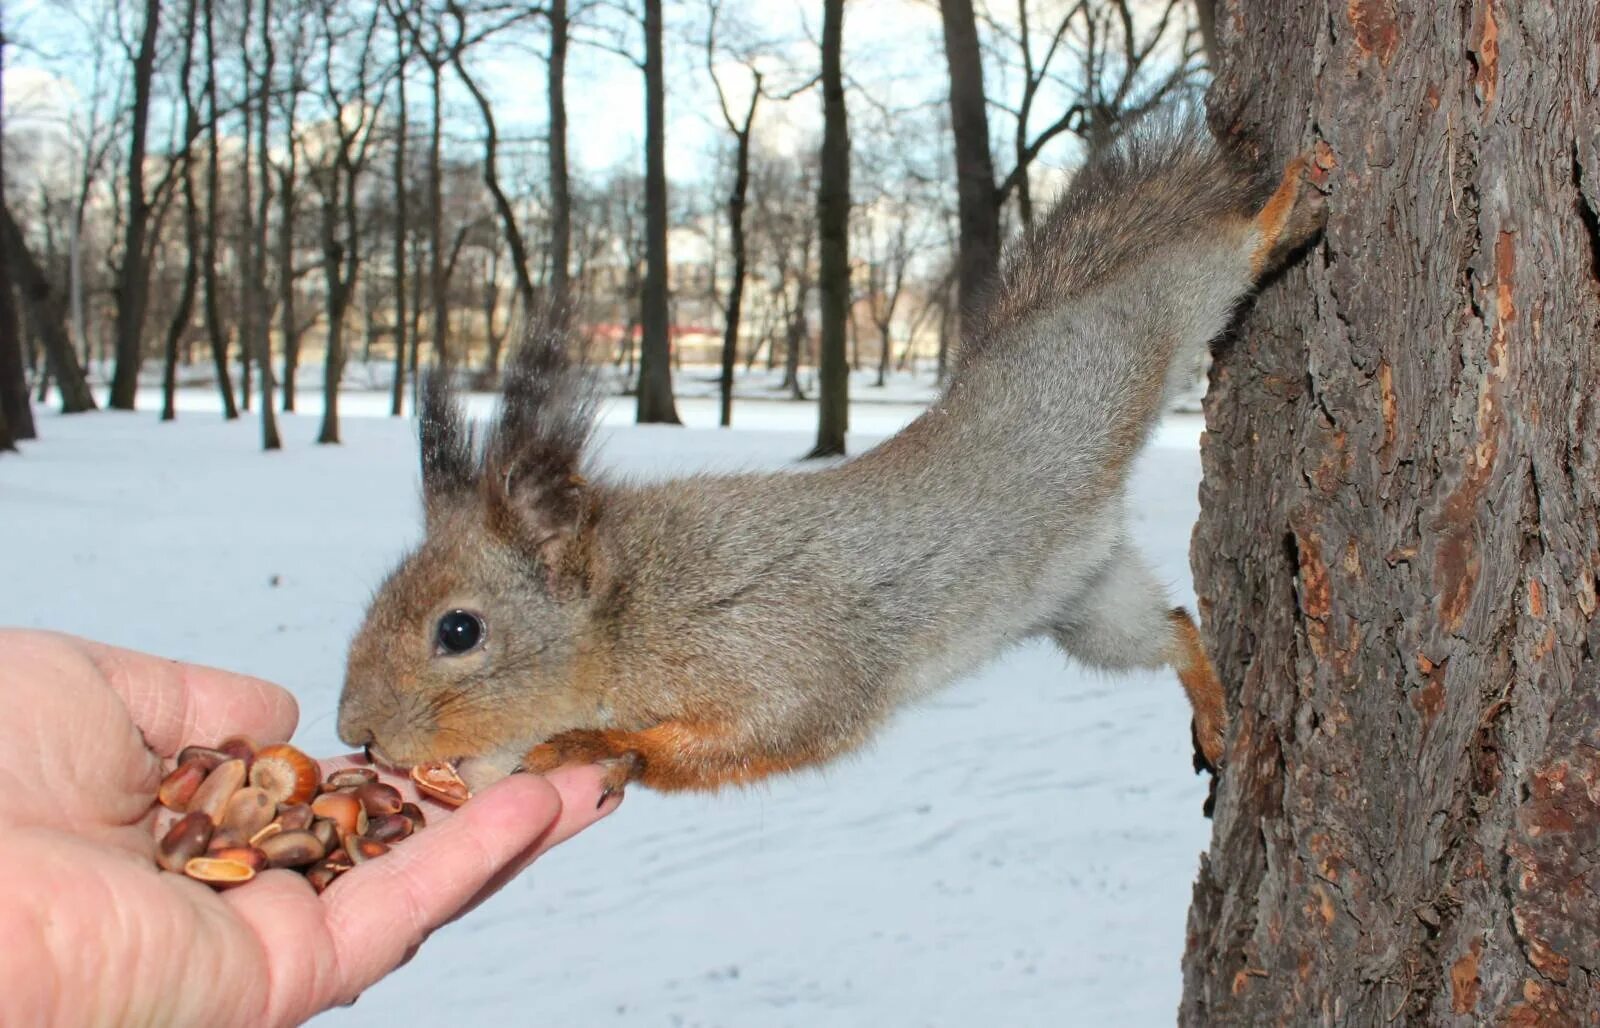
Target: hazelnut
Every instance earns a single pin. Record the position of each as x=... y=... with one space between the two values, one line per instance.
x=287 y=774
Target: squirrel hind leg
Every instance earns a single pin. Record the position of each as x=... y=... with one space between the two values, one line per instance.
x=1292 y=216
x=1124 y=620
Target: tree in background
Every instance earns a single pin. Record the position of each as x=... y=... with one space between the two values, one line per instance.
x=16 y=414
x=655 y=402
x=1399 y=537
x=833 y=232
x=133 y=279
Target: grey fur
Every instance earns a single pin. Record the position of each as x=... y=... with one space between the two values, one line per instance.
x=794 y=612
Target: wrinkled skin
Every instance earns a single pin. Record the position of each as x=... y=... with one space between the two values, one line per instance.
x=95 y=934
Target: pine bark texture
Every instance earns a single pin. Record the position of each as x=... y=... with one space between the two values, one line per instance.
x=1400 y=529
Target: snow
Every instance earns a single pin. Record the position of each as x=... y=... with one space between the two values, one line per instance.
x=1019 y=849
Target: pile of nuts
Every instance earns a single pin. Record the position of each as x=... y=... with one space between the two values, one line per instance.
x=246 y=809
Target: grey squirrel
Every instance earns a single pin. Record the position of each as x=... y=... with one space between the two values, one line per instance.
x=714 y=630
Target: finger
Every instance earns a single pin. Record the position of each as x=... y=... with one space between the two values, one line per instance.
x=580 y=803
x=175 y=704
x=381 y=910
x=579 y=788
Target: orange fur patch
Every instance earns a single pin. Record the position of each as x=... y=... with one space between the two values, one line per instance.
x=1200 y=681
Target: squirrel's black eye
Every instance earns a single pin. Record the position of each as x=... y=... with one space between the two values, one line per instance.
x=460 y=632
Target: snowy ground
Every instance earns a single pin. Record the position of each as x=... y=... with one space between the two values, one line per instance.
x=1017 y=851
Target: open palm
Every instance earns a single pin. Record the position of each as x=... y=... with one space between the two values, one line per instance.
x=95 y=934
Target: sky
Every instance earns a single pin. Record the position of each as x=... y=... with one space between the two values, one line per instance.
x=893 y=59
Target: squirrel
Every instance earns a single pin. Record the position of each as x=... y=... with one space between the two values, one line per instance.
x=715 y=630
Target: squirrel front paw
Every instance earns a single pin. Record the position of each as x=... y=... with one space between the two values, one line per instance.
x=584 y=746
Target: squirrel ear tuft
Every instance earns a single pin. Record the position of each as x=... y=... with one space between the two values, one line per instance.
x=532 y=485
x=447 y=459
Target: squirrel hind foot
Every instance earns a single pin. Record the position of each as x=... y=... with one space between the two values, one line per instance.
x=1292 y=217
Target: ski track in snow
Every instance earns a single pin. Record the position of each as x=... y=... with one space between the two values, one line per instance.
x=1018 y=849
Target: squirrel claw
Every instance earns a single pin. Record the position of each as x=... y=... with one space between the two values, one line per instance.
x=620 y=770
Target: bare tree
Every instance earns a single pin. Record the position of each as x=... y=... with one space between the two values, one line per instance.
x=133 y=279
x=183 y=316
x=655 y=401
x=352 y=112
x=491 y=143
x=979 y=254
x=16 y=414
x=560 y=187
x=263 y=297
x=402 y=225
x=208 y=259
x=833 y=218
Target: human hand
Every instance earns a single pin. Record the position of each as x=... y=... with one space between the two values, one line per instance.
x=96 y=934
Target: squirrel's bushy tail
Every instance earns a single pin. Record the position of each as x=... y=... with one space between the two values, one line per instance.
x=1165 y=179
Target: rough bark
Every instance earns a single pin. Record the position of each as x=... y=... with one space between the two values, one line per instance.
x=1400 y=530
x=560 y=188
x=979 y=251
x=833 y=233
x=655 y=402
x=133 y=276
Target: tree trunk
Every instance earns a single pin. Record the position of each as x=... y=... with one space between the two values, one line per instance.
x=436 y=276
x=16 y=413
x=979 y=250
x=402 y=219
x=655 y=402
x=47 y=313
x=184 y=315
x=1400 y=531
x=560 y=190
x=214 y=329
x=263 y=311
x=833 y=232
x=288 y=183
x=733 y=312
x=133 y=277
